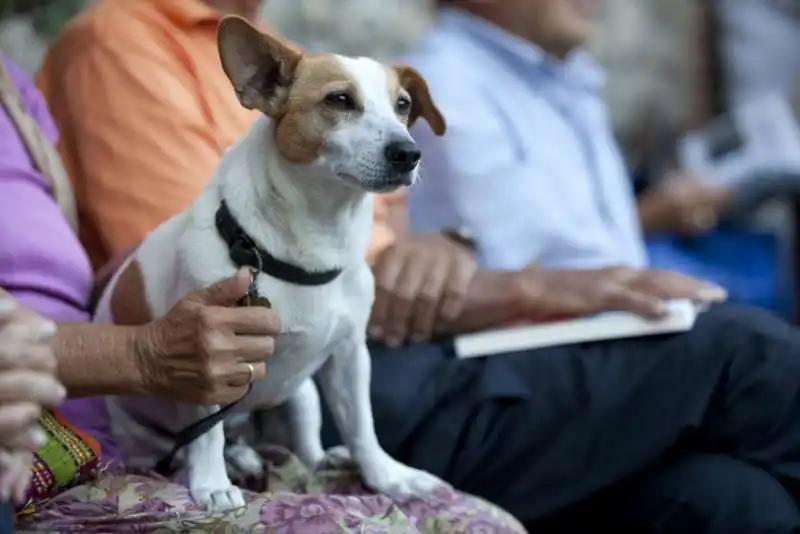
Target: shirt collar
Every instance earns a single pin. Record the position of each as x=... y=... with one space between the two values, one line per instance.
x=187 y=12
x=578 y=69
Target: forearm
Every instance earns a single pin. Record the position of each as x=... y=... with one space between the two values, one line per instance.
x=96 y=359
x=490 y=302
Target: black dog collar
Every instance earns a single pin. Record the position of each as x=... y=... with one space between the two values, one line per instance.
x=245 y=253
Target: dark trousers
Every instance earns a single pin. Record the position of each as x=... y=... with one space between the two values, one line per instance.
x=691 y=433
x=6 y=518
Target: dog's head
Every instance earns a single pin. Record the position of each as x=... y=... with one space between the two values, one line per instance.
x=347 y=116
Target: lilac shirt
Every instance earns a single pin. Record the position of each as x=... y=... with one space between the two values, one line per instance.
x=41 y=261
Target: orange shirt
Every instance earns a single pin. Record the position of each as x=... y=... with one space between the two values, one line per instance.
x=145 y=112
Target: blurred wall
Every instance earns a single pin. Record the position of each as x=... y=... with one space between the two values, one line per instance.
x=653 y=52
x=20 y=40
x=650 y=47
x=379 y=28
x=383 y=29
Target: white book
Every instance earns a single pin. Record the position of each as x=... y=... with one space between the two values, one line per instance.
x=680 y=317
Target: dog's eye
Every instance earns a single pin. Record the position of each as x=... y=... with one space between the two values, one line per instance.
x=341 y=100
x=403 y=105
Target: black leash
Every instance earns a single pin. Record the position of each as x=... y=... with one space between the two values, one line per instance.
x=165 y=467
x=243 y=252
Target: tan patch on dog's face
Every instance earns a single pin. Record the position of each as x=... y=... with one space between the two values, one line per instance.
x=324 y=96
x=398 y=96
x=343 y=112
x=347 y=116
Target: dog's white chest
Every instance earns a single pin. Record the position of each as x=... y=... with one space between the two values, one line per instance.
x=315 y=322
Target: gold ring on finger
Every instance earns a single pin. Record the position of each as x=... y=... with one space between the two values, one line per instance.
x=251 y=370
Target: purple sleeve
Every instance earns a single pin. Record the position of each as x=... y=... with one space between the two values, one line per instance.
x=41 y=261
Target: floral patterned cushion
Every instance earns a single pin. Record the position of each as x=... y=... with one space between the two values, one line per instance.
x=329 y=501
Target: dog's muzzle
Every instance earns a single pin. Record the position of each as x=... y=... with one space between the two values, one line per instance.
x=402 y=157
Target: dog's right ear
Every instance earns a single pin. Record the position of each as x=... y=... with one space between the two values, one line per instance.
x=259 y=66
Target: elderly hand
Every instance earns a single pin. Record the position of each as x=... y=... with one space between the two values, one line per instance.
x=206 y=350
x=547 y=294
x=420 y=281
x=683 y=204
x=27 y=375
x=16 y=470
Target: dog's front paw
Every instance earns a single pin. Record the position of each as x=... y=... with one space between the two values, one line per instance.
x=401 y=482
x=215 y=499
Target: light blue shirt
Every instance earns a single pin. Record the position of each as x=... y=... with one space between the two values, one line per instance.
x=529 y=166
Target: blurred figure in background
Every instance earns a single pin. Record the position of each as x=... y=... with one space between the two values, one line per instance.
x=147 y=114
x=682 y=219
x=757 y=56
x=580 y=209
x=530 y=175
x=760 y=47
x=561 y=132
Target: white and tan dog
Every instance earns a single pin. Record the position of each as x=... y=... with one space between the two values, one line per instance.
x=300 y=184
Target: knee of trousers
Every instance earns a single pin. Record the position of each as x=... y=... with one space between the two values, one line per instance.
x=716 y=494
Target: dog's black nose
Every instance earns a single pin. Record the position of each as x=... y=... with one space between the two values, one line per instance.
x=402 y=156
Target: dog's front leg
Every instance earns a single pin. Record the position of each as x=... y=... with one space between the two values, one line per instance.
x=345 y=381
x=209 y=484
x=305 y=419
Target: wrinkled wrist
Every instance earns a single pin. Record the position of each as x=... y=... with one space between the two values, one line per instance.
x=491 y=302
x=528 y=289
x=144 y=353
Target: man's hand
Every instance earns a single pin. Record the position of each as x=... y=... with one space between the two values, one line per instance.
x=27 y=375
x=549 y=294
x=683 y=204
x=206 y=350
x=421 y=281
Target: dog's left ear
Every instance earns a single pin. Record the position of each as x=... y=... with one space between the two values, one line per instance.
x=260 y=67
x=421 y=102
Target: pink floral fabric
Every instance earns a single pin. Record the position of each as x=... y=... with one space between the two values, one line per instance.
x=297 y=501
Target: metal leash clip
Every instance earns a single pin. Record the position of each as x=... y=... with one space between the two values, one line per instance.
x=252 y=298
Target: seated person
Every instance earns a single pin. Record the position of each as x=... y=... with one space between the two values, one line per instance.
x=676 y=205
x=148 y=113
x=569 y=135
x=689 y=433
x=757 y=44
x=48 y=274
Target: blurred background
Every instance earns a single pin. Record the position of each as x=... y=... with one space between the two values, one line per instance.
x=642 y=43
x=672 y=66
